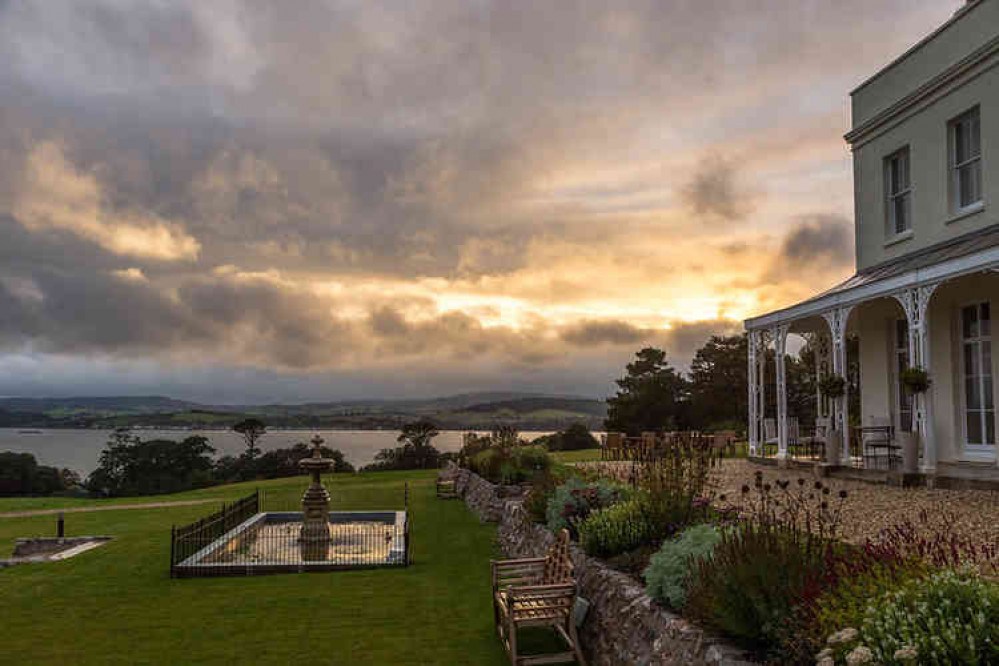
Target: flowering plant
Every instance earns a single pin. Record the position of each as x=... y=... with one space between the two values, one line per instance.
x=950 y=617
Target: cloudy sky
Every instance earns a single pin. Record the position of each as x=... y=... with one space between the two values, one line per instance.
x=254 y=200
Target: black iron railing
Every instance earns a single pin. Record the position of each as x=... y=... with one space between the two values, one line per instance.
x=187 y=540
x=245 y=539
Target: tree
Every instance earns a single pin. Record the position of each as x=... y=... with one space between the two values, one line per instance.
x=129 y=466
x=718 y=383
x=651 y=396
x=20 y=474
x=419 y=433
x=251 y=430
x=575 y=437
x=281 y=463
x=416 y=451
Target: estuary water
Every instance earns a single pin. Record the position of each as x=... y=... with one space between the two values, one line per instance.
x=79 y=450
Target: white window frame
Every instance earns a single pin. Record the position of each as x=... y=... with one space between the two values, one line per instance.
x=955 y=168
x=892 y=197
x=975 y=451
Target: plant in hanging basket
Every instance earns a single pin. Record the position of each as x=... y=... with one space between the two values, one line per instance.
x=832 y=385
x=915 y=380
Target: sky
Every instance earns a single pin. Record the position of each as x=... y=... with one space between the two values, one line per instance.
x=239 y=200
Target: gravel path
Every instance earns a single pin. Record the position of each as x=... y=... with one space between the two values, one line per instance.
x=115 y=507
x=869 y=507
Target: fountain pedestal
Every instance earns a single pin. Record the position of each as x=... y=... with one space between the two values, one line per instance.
x=314 y=537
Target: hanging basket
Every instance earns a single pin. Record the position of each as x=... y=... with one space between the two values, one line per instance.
x=832 y=386
x=915 y=380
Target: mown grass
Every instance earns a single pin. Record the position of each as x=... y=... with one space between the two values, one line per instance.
x=117 y=605
x=582 y=455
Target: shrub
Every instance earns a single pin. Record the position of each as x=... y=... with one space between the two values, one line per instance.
x=615 y=529
x=754 y=583
x=510 y=465
x=951 y=617
x=853 y=576
x=832 y=386
x=573 y=438
x=574 y=500
x=676 y=484
x=665 y=575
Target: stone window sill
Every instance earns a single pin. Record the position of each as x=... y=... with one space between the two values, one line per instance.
x=966 y=212
x=899 y=238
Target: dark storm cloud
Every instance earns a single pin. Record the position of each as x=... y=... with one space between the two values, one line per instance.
x=685 y=338
x=715 y=190
x=820 y=240
x=589 y=333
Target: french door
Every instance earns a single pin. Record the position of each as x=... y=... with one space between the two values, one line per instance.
x=979 y=405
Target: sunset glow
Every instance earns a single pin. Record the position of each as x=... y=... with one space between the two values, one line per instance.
x=493 y=194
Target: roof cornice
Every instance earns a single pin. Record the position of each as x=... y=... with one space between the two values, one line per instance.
x=972 y=65
x=959 y=14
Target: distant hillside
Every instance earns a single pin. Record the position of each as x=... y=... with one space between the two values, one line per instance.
x=525 y=405
x=470 y=411
x=97 y=404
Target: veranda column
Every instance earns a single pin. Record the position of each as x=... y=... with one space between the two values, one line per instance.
x=916 y=302
x=752 y=340
x=922 y=342
x=779 y=334
x=761 y=362
x=837 y=320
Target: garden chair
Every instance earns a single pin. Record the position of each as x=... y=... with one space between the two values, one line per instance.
x=614 y=445
x=537 y=592
x=724 y=442
x=446 y=489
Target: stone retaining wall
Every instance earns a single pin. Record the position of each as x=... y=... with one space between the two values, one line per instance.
x=622 y=625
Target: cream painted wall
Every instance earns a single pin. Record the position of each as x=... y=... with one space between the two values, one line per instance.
x=926 y=134
x=872 y=323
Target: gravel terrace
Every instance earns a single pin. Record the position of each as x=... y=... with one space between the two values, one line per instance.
x=869 y=507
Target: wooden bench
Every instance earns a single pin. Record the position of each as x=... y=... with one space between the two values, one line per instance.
x=537 y=592
x=446 y=489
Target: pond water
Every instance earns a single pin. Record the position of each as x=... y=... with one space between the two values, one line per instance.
x=80 y=449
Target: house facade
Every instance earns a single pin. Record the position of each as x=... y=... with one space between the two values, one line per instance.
x=925 y=142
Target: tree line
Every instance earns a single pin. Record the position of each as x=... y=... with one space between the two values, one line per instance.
x=653 y=396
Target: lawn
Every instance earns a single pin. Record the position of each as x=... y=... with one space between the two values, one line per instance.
x=117 y=604
x=582 y=455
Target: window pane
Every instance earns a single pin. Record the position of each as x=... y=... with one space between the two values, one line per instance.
x=987 y=384
x=969 y=188
x=970 y=360
x=974 y=421
x=985 y=365
x=960 y=142
x=990 y=428
x=901 y=214
x=971 y=393
x=969 y=321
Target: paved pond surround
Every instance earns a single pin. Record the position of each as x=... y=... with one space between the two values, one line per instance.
x=622 y=625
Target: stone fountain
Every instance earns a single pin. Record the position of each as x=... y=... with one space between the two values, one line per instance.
x=314 y=538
